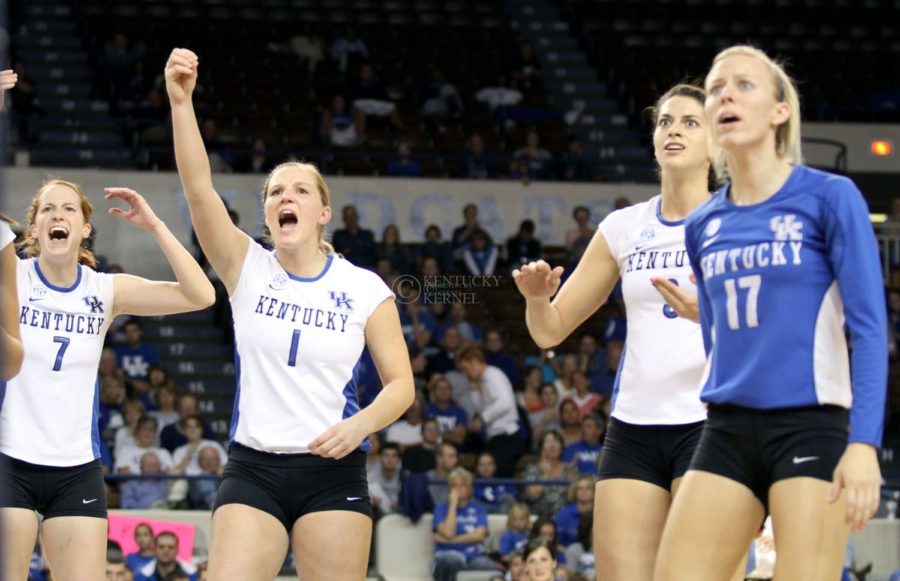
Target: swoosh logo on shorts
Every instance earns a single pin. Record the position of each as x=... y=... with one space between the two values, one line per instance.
x=801 y=460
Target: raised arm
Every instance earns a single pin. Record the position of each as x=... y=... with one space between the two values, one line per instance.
x=11 y=351
x=134 y=295
x=586 y=290
x=223 y=243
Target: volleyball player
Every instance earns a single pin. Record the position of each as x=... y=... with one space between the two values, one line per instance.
x=296 y=472
x=784 y=256
x=49 y=444
x=657 y=414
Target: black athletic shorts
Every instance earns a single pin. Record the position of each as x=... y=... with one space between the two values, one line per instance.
x=52 y=490
x=657 y=454
x=289 y=486
x=760 y=447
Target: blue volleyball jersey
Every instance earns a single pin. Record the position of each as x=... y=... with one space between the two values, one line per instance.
x=776 y=283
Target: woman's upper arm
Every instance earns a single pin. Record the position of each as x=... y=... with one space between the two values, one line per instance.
x=224 y=244
x=589 y=285
x=385 y=341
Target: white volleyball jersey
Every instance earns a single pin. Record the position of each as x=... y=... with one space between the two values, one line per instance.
x=298 y=342
x=6 y=235
x=48 y=412
x=658 y=381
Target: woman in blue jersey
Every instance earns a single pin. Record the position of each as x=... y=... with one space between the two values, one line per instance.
x=11 y=353
x=49 y=444
x=296 y=472
x=657 y=414
x=784 y=256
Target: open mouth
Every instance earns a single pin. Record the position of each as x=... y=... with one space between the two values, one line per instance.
x=674 y=147
x=59 y=233
x=287 y=217
x=728 y=119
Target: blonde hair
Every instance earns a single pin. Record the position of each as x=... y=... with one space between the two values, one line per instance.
x=787 y=136
x=324 y=196
x=573 y=486
x=517 y=507
x=460 y=473
x=30 y=244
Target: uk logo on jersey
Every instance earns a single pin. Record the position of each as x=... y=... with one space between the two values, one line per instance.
x=341 y=301
x=95 y=304
x=786 y=227
x=279 y=281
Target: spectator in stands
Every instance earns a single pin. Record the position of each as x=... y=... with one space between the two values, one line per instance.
x=421 y=457
x=574 y=165
x=354 y=242
x=128 y=459
x=546 y=418
x=585 y=454
x=540 y=560
x=569 y=422
x=109 y=367
x=119 y=58
x=166 y=565
x=149 y=493
x=567 y=366
x=580 y=554
x=524 y=247
x=403 y=164
x=530 y=396
x=407 y=431
x=257 y=160
x=440 y=101
x=548 y=499
x=477 y=163
x=202 y=492
x=436 y=249
x=537 y=157
x=165 y=396
x=135 y=358
x=585 y=400
x=149 y=125
x=384 y=483
x=175 y=435
x=544 y=527
x=480 y=258
x=368 y=95
x=445 y=460
x=462 y=235
x=308 y=48
x=452 y=419
x=458 y=317
x=390 y=247
x=143 y=538
x=221 y=158
x=349 y=50
x=492 y=395
x=115 y=569
x=341 y=126
x=187 y=456
x=578 y=238
x=112 y=399
x=494 y=497
x=603 y=382
x=460 y=528
x=417 y=323
x=418 y=362
x=515 y=537
x=581 y=504
x=499 y=95
x=526 y=69
x=621 y=203
x=126 y=436
x=445 y=359
x=373 y=456
x=590 y=357
x=494 y=354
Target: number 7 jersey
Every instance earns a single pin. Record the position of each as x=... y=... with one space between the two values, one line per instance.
x=777 y=281
x=298 y=343
x=48 y=412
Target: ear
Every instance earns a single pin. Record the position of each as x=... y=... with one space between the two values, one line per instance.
x=326 y=215
x=781 y=114
x=86 y=231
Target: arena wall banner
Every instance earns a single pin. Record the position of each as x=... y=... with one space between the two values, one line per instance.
x=412 y=204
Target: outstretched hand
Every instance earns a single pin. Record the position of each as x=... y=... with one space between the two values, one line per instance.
x=181 y=75
x=139 y=212
x=8 y=79
x=536 y=280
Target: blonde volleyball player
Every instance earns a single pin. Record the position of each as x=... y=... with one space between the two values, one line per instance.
x=657 y=416
x=296 y=472
x=48 y=426
x=784 y=256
